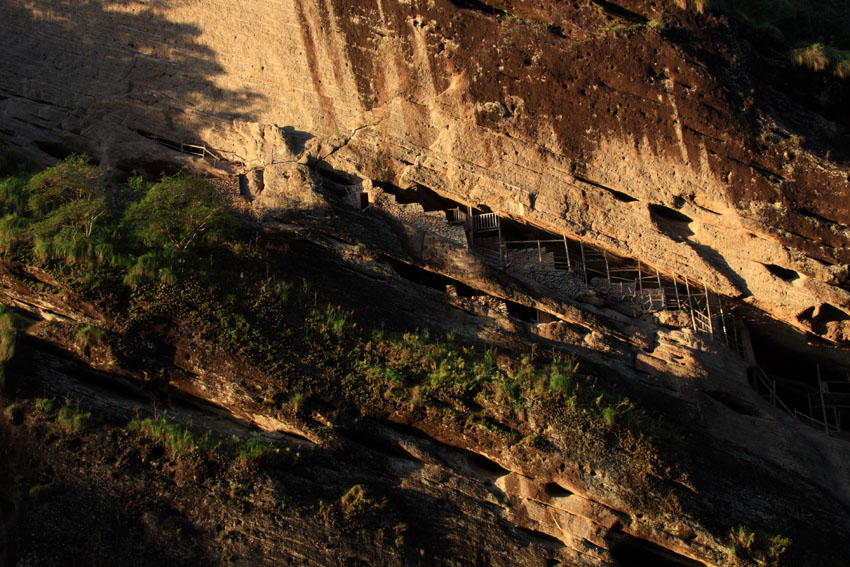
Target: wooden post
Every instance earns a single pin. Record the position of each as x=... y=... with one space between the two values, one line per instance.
x=567 y=250
x=501 y=258
x=583 y=263
x=708 y=310
x=723 y=320
x=607 y=269
x=690 y=303
x=471 y=223
x=661 y=290
x=822 y=402
x=640 y=277
x=676 y=290
x=539 y=253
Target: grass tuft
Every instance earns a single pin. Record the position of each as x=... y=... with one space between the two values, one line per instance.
x=71 y=420
x=88 y=336
x=812 y=56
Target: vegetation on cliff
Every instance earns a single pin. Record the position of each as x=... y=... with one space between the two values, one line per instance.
x=170 y=261
x=817 y=33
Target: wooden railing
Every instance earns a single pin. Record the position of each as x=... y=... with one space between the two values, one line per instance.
x=485 y=221
x=200 y=151
x=456 y=216
x=768 y=391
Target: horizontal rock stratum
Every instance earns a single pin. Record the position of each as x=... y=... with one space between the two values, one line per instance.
x=643 y=129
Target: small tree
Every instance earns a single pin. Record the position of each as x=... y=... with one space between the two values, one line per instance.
x=69 y=210
x=180 y=213
x=74 y=179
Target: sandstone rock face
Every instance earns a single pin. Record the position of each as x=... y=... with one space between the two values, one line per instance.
x=285 y=187
x=669 y=154
x=674 y=319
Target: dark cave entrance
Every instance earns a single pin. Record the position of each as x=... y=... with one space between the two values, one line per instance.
x=813 y=386
x=630 y=551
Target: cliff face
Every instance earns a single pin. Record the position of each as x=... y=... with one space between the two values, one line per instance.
x=634 y=127
x=639 y=129
x=368 y=472
x=587 y=120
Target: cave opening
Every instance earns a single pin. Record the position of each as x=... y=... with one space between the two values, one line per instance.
x=671 y=222
x=478 y=6
x=818 y=387
x=630 y=551
x=785 y=274
x=556 y=490
x=485 y=465
x=522 y=312
x=424 y=277
x=53 y=149
x=620 y=196
x=430 y=279
x=669 y=214
x=419 y=194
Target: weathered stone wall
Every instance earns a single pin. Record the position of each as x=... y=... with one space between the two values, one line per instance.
x=663 y=155
x=415 y=215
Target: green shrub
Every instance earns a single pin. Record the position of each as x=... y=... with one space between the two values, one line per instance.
x=182 y=444
x=44 y=406
x=657 y=25
x=842 y=67
x=178 y=441
x=817 y=31
x=757 y=548
x=296 y=399
x=180 y=213
x=13 y=197
x=153 y=265
x=777 y=546
x=62 y=211
x=562 y=376
x=71 y=420
x=609 y=415
x=812 y=56
x=355 y=502
x=254 y=449
x=87 y=336
x=71 y=180
x=332 y=322
x=8 y=340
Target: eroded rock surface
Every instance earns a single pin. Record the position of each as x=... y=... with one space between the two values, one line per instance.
x=686 y=152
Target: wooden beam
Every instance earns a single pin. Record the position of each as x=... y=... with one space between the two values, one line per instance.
x=583 y=263
x=676 y=289
x=723 y=320
x=822 y=403
x=690 y=303
x=640 y=277
x=661 y=290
